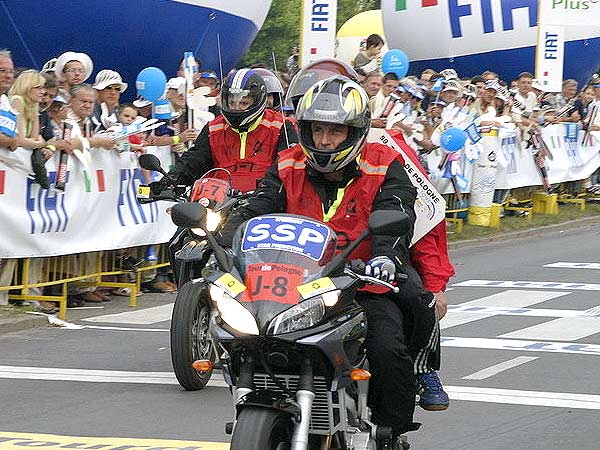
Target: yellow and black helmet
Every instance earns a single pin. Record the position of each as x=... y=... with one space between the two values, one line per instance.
x=335 y=100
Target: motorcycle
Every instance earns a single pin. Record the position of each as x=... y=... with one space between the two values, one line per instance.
x=188 y=255
x=290 y=335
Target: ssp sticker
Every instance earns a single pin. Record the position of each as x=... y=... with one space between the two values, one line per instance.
x=272 y=282
x=292 y=234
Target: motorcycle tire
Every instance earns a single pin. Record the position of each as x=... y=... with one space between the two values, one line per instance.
x=262 y=429
x=189 y=336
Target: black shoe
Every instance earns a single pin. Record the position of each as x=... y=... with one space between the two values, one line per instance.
x=38 y=163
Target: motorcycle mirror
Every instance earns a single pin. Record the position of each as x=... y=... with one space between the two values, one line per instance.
x=389 y=223
x=150 y=162
x=188 y=215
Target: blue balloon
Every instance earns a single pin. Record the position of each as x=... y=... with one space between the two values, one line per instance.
x=395 y=61
x=453 y=139
x=150 y=83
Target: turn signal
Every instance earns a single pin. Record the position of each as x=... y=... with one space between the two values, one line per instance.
x=360 y=374
x=202 y=365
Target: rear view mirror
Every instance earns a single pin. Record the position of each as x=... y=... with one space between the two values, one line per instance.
x=150 y=162
x=389 y=223
x=189 y=215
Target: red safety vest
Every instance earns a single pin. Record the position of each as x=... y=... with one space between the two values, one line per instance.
x=348 y=216
x=247 y=154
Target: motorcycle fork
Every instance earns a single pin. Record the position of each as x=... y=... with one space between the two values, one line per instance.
x=245 y=382
x=305 y=396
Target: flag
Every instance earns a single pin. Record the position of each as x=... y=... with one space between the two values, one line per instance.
x=2 y=178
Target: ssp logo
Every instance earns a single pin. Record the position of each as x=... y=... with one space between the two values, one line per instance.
x=287 y=233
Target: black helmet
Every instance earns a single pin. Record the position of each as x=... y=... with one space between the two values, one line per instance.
x=243 y=85
x=316 y=71
x=274 y=87
x=336 y=100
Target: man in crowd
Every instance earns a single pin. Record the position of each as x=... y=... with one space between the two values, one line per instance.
x=83 y=98
x=110 y=86
x=7 y=71
x=372 y=83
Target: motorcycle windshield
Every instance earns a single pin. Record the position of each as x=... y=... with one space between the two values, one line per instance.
x=274 y=255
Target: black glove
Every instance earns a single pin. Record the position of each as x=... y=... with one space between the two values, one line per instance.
x=156 y=187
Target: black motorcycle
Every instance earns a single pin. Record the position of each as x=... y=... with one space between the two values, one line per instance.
x=188 y=255
x=289 y=333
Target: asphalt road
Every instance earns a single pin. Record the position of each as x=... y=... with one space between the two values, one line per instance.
x=520 y=362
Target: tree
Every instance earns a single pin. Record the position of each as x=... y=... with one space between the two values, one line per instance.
x=281 y=29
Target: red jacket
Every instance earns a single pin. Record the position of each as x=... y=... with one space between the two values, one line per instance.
x=349 y=214
x=247 y=155
x=429 y=255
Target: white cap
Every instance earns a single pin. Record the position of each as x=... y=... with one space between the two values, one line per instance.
x=106 y=78
x=67 y=57
x=49 y=66
x=178 y=84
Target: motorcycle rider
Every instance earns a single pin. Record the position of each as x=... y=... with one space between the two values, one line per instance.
x=334 y=176
x=429 y=255
x=244 y=140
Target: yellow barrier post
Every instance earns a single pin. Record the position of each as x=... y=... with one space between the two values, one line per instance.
x=545 y=203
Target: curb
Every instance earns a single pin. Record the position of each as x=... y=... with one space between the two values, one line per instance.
x=20 y=322
x=528 y=233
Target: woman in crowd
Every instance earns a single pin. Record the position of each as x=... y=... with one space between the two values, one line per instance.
x=25 y=96
x=72 y=69
x=366 y=60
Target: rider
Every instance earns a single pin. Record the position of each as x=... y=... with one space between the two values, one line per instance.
x=429 y=255
x=336 y=177
x=244 y=140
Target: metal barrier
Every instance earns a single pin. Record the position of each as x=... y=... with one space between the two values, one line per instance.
x=86 y=269
x=456 y=210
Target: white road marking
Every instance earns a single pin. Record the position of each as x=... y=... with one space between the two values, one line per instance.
x=522 y=345
x=529 y=285
x=145 y=316
x=509 y=299
x=465 y=310
x=532 y=398
x=572 y=265
x=153 y=330
x=496 y=369
x=564 y=329
x=96 y=376
x=508 y=396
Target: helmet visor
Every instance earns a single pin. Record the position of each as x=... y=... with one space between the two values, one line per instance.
x=239 y=100
x=334 y=108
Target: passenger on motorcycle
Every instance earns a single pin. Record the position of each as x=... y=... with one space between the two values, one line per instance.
x=429 y=256
x=244 y=140
x=336 y=177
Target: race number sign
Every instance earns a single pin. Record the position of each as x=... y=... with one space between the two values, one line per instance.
x=291 y=234
x=272 y=282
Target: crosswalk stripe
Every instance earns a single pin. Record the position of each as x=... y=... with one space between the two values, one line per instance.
x=466 y=310
x=501 y=367
x=96 y=376
x=146 y=316
x=522 y=345
x=573 y=265
x=530 y=285
x=508 y=299
x=563 y=329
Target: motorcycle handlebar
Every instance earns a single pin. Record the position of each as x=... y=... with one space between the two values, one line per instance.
x=371 y=280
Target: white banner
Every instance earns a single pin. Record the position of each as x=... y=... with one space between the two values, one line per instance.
x=430 y=206
x=97 y=211
x=571 y=161
x=550 y=56
x=578 y=13
x=317 y=33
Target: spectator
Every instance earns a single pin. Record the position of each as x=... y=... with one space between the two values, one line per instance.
x=195 y=69
x=490 y=76
x=25 y=97
x=57 y=114
x=568 y=94
x=110 y=86
x=372 y=84
x=7 y=71
x=390 y=83
x=365 y=62
x=71 y=70
x=50 y=91
x=582 y=104
x=210 y=79
x=524 y=94
x=451 y=92
x=292 y=63
x=83 y=98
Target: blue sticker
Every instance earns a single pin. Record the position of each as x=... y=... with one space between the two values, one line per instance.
x=8 y=123
x=292 y=234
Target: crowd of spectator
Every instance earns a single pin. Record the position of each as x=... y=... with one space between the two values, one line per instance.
x=58 y=109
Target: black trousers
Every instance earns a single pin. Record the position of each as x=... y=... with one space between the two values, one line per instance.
x=392 y=385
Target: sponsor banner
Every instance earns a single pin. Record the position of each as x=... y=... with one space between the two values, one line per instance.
x=98 y=209
x=550 y=57
x=580 y=13
x=317 y=35
x=571 y=161
x=430 y=206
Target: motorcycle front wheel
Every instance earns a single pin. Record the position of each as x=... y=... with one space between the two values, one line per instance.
x=189 y=336
x=262 y=429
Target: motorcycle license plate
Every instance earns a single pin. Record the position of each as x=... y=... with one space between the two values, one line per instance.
x=272 y=282
x=211 y=189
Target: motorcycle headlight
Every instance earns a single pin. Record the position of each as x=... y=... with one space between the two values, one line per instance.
x=304 y=315
x=213 y=220
x=233 y=312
